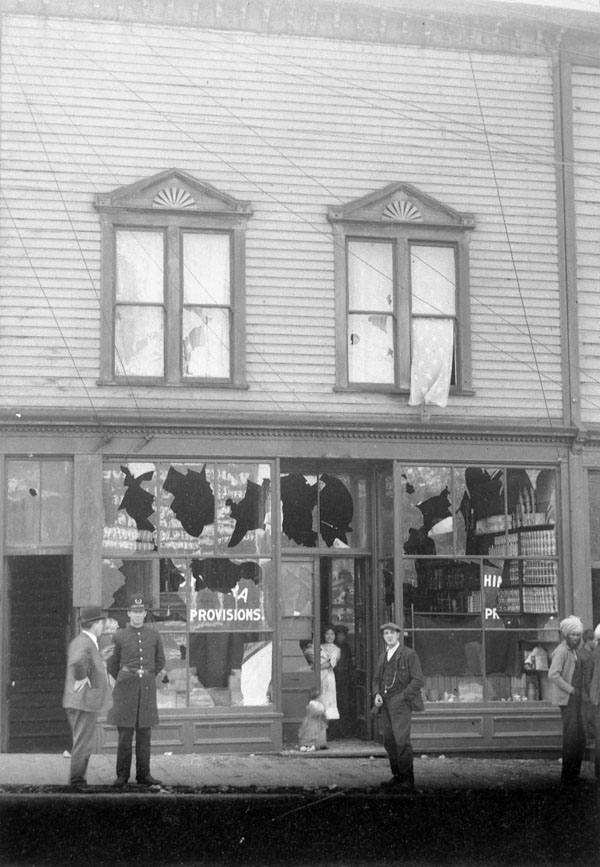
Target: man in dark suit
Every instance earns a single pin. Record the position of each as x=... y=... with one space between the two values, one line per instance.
x=136 y=660
x=87 y=691
x=397 y=692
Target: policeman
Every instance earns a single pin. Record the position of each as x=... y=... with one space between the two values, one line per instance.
x=136 y=660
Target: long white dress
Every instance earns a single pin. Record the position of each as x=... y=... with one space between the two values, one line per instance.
x=330 y=655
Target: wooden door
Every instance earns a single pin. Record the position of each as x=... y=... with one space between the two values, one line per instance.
x=39 y=598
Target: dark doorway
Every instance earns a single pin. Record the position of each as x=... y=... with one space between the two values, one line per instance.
x=40 y=604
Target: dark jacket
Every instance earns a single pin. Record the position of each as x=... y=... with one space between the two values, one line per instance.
x=85 y=660
x=135 y=649
x=409 y=677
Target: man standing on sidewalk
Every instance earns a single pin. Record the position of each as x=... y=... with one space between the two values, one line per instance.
x=87 y=691
x=566 y=679
x=397 y=691
x=137 y=658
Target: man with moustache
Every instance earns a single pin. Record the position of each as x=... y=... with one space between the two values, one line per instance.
x=137 y=658
x=566 y=679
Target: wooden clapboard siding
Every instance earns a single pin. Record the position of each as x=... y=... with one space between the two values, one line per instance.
x=586 y=158
x=293 y=125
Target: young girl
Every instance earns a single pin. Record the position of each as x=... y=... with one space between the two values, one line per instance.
x=312 y=734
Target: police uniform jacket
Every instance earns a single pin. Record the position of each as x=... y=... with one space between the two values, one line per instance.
x=136 y=659
x=407 y=678
x=85 y=660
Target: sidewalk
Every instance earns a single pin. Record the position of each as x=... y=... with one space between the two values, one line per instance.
x=299 y=810
x=348 y=765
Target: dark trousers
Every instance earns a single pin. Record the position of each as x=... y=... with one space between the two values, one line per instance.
x=83 y=728
x=596 y=712
x=573 y=740
x=587 y=712
x=396 y=718
x=142 y=752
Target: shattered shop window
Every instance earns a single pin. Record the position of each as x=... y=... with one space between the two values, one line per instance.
x=193 y=508
x=324 y=509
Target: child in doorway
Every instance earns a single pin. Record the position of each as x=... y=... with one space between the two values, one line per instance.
x=312 y=734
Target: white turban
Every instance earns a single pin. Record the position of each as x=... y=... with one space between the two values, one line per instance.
x=597 y=632
x=571 y=624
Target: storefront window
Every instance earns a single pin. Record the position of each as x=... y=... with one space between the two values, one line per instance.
x=324 y=510
x=200 y=537
x=480 y=579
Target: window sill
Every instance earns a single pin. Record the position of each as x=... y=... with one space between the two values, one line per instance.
x=161 y=383
x=387 y=389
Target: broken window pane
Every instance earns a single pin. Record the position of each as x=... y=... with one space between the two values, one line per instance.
x=139 y=341
x=428 y=518
x=244 y=508
x=370 y=312
x=129 y=501
x=298 y=507
x=39 y=502
x=342 y=507
x=187 y=508
x=370 y=348
x=122 y=579
x=206 y=342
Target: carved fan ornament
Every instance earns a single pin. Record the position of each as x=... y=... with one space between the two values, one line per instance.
x=402 y=211
x=173 y=197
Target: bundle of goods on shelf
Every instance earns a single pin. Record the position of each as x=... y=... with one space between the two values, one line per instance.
x=509 y=600
x=538 y=543
x=540 y=572
x=540 y=600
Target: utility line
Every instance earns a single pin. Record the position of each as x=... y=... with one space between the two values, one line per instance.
x=234 y=169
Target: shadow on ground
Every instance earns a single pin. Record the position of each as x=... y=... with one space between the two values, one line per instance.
x=553 y=826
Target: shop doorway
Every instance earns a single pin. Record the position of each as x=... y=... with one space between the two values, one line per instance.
x=39 y=593
x=316 y=593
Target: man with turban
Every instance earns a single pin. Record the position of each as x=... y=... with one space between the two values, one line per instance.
x=566 y=681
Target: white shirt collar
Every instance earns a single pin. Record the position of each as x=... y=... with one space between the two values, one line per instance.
x=391 y=650
x=92 y=636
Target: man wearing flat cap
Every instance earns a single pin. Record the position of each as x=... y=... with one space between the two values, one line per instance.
x=566 y=681
x=87 y=691
x=397 y=692
x=136 y=660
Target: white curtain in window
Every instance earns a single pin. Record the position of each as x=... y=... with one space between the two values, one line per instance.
x=431 y=362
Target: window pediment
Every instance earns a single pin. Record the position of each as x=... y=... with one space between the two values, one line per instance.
x=173 y=191
x=400 y=203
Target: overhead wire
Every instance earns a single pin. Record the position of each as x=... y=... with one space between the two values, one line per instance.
x=84 y=258
x=248 y=341
x=237 y=118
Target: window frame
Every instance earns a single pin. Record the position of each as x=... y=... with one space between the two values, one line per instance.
x=441 y=226
x=133 y=209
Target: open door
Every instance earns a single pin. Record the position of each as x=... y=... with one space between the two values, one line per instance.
x=344 y=595
x=39 y=592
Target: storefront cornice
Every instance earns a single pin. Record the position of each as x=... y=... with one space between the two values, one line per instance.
x=289 y=429
x=521 y=29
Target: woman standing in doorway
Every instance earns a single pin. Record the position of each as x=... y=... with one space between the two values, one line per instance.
x=330 y=655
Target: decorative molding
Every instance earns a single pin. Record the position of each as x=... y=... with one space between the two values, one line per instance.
x=173 y=197
x=294 y=431
x=402 y=211
x=511 y=29
x=400 y=203
x=172 y=190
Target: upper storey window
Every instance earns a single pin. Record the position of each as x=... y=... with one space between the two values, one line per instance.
x=173 y=298
x=402 y=295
